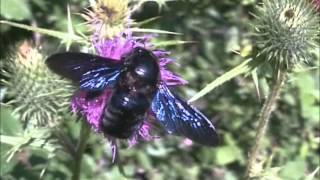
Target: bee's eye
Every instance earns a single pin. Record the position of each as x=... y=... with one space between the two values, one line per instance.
x=139 y=50
x=140 y=71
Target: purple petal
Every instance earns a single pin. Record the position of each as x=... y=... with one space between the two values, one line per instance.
x=116 y=48
x=170 y=78
x=143 y=133
x=92 y=109
x=161 y=53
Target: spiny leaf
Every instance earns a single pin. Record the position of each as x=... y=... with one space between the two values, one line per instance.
x=305 y=69
x=28 y=139
x=157 y=31
x=256 y=82
x=245 y=67
x=70 y=29
x=36 y=140
x=65 y=37
x=313 y=174
x=171 y=43
x=146 y=21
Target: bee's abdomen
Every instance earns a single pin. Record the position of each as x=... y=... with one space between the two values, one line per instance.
x=124 y=114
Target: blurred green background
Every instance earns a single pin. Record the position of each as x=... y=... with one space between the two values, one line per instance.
x=219 y=28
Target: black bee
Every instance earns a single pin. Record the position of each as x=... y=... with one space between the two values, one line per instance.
x=137 y=86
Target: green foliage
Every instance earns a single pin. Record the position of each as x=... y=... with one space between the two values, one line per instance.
x=216 y=29
x=66 y=37
x=15 y=9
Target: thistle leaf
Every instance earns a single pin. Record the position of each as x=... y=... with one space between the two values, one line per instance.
x=157 y=31
x=245 y=67
x=171 y=43
x=36 y=139
x=256 y=82
x=313 y=174
x=66 y=37
x=141 y=23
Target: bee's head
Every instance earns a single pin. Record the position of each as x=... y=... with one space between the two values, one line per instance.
x=143 y=64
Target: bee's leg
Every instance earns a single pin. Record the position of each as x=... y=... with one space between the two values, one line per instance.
x=114 y=149
x=116 y=158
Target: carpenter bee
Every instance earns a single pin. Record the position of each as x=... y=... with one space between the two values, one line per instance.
x=136 y=87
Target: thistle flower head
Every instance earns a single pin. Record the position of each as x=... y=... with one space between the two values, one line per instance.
x=37 y=95
x=286 y=31
x=107 y=18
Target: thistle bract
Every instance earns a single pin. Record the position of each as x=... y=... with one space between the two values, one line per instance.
x=286 y=31
x=37 y=95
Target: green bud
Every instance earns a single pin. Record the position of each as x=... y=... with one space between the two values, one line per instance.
x=39 y=96
x=286 y=31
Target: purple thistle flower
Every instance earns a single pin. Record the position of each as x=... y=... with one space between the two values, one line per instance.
x=143 y=133
x=116 y=48
x=92 y=109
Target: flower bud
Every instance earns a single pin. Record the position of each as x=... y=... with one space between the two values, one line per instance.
x=286 y=31
x=36 y=94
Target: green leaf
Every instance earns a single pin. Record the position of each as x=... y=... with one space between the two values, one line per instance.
x=256 y=82
x=23 y=141
x=313 y=174
x=309 y=108
x=141 y=23
x=157 y=31
x=10 y=124
x=171 y=43
x=5 y=166
x=66 y=37
x=225 y=155
x=228 y=153
x=36 y=139
x=15 y=9
x=245 y=67
x=293 y=170
x=144 y=160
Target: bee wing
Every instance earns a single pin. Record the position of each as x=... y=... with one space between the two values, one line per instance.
x=180 y=118
x=90 y=71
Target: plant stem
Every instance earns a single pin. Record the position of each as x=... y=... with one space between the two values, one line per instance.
x=84 y=136
x=268 y=107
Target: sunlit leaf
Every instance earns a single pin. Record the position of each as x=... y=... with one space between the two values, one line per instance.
x=245 y=67
x=312 y=175
x=256 y=82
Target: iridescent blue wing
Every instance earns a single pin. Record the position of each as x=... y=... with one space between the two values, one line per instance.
x=90 y=71
x=180 y=118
